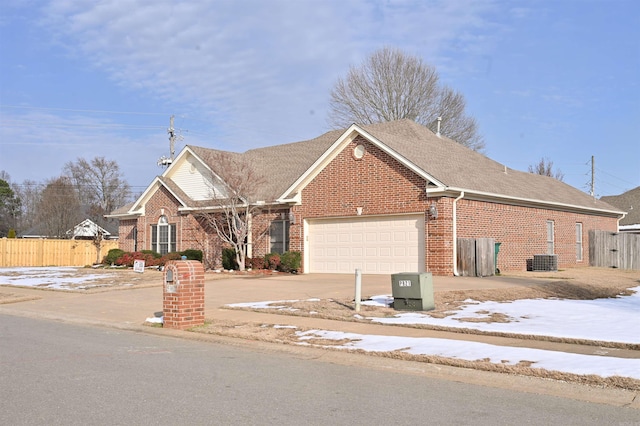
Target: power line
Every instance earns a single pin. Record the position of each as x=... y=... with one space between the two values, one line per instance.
x=93 y=111
x=615 y=177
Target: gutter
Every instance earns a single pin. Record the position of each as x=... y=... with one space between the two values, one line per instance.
x=455 y=235
x=619 y=219
x=519 y=201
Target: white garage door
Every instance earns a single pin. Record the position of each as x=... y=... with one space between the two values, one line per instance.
x=379 y=245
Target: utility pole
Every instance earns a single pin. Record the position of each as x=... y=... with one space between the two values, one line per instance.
x=164 y=161
x=172 y=138
x=593 y=176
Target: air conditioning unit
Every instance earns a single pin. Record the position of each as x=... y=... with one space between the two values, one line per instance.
x=545 y=262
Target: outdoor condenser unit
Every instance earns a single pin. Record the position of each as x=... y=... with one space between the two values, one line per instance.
x=545 y=262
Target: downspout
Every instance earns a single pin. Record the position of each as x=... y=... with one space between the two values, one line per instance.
x=624 y=214
x=455 y=236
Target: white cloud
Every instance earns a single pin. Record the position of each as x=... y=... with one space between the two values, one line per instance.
x=257 y=67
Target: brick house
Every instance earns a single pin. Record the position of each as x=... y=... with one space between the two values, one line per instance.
x=385 y=198
x=629 y=202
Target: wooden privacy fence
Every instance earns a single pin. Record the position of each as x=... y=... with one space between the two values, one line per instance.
x=49 y=252
x=476 y=257
x=614 y=250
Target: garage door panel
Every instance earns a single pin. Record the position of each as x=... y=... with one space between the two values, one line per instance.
x=400 y=251
x=384 y=252
x=376 y=245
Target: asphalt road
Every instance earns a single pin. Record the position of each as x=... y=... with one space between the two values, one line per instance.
x=55 y=373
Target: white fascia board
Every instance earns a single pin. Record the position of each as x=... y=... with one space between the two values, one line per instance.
x=179 y=159
x=169 y=170
x=403 y=160
x=347 y=137
x=222 y=207
x=525 y=202
x=145 y=195
x=187 y=150
x=296 y=199
x=123 y=216
x=320 y=163
x=138 y=206
x=209 y=169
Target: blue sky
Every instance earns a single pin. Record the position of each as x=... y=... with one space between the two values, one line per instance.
x=555 y=79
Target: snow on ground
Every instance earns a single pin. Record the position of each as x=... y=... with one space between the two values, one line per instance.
x=608 y=320
x=58 y=277
x=471 y=351
x=614 y=320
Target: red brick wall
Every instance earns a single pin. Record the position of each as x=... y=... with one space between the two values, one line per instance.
x=523 y=231
x=378 y=183
x=183 y=306
x=126 y=234
x=190 y=233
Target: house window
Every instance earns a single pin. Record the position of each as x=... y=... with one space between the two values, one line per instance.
x=163 y=236
x=279 y=236
x=579 y=242
x=550 y=237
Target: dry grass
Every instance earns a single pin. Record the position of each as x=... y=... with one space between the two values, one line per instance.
x=586 y=287
x=578 y=284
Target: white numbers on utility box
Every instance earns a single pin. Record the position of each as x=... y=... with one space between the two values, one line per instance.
x=404 y=283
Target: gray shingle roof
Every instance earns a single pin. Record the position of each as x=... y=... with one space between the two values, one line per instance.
x=447 y=161
x=628 y=202
x=460 y=167
x=281 y=165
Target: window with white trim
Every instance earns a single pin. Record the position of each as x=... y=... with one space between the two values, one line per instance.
x=163 y=236
x=279 y=236
x=550 y=237
x=579 y=241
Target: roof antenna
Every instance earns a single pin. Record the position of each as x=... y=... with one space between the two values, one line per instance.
x=438 y=131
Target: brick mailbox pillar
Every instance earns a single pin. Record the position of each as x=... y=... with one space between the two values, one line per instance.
x=183 y=294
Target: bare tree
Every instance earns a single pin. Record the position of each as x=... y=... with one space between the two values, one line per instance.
x=545 y=168
x=59 y=208
x=234 y=189
x=100 y=185
x=391 y=85
x=30 y=194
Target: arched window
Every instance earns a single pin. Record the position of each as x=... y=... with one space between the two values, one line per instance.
x=163 y=236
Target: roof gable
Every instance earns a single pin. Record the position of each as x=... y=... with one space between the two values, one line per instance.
x=192 y=175
x=87 y=228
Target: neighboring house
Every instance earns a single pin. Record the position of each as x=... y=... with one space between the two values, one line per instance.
x=84 y=230
x=88 y=230
x=384 y=198
x=628 y=202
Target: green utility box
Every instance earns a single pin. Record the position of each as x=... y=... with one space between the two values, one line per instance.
x=412 y=291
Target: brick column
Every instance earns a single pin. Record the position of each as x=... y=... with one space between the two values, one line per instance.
x=183 y=294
